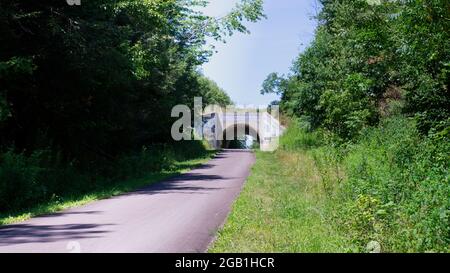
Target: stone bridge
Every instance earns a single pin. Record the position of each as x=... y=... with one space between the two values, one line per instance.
x=220 y=128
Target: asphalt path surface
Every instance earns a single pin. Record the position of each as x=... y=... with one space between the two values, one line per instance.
x=180 y=214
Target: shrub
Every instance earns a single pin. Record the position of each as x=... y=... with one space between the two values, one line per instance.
x=393 y=165
x=297 y=137
x=20 y=180
x=389 y=187
x=348 y=111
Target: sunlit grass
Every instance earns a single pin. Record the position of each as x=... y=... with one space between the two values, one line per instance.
x=281 y=209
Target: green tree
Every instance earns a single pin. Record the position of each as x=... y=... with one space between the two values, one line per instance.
x=367 y=57
x=100 y=79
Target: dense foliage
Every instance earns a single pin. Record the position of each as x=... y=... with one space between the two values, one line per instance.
x=92 y=83
x=42 y=180
x=368 y=59
x=371 y=99
x=390 y=186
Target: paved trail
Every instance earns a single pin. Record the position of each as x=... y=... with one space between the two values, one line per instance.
x=180 y=214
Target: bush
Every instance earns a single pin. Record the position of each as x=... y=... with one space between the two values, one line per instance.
x=407 y=179
x=26 y=180
x=150 y=159
x=348 y=111
x=297 y=137
x=20 y=180
x=390 y=186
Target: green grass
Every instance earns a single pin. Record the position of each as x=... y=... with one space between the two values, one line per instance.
x=390 y=187
x=103 y=192
x=282 y=208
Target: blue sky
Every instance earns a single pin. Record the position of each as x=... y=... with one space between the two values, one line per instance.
x=242 y=64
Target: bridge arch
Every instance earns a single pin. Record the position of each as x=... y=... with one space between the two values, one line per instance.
x=220 y=128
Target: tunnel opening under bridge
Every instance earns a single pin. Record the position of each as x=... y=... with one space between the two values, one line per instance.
x=240 y=136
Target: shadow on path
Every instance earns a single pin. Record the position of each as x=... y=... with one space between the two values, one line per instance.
x=27 y=233
x=185 y=183
x=220 y=184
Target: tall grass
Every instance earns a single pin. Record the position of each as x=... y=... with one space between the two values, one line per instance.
x=387 y=191
x=397 y=190
x=391 y=186
x=281 y=209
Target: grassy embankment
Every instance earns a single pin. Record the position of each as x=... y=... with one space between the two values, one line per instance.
x=390 y=188
x=32 y=185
